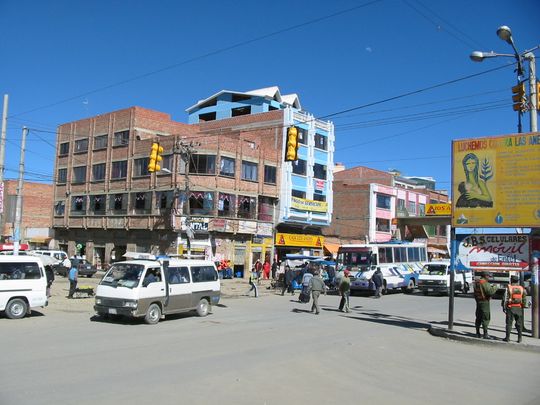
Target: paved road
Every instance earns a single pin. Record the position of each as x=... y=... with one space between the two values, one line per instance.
x=262 y=351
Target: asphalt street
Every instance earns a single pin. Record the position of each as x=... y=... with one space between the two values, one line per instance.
x=269 y=350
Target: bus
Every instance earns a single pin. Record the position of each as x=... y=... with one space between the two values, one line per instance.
x=399 y=261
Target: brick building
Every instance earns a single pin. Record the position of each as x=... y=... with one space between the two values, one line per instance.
x=224 y=204
x=36 y=220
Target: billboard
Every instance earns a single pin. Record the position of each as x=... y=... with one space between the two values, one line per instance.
x=496 y=181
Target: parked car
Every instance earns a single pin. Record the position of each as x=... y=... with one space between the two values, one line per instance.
x=435 y=277
x=392 y=279
x=83 y=266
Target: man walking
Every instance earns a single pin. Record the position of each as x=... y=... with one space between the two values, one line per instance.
x=316 y=284
x=514 y=300
x=344 y=291
x=287 y=282
x=483 y=292
x=378 y=280
x=73 y=275
x=253 y=282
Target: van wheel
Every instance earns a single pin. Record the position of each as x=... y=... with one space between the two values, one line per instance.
x=16 y=308
x=203 y=308
x=384 y=289
x=153 y=314
x=410 y=287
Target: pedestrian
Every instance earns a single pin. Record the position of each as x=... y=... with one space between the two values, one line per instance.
x=49 y=274
x=275 y=266
x=258 y=269
x=306 y=278
x=513 y=302
x=266 y=270
x=316 y=285
x=253 y=278
x=344 y=288
x=483 y=291
x=378 y=280
x=288 y=280
x=73 y=275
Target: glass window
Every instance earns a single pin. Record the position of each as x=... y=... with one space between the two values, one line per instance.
x=411 y=207
x=270 y=174
x=319 y=197
x=178 y=275
x=165 y=199
x=247 y=207
x=385 y=255
x=383 y=201
x=299 y=167
x=321 y=142
x=166 y=163
x=201 y=274
x=441 y=230
x=140 y=167
x=401 y=204
x=400 y=255
x=201 y=203
x=79 y=174
x=81 y=145
x=118 y=203
x=59 y=208
x=249 y=171
x=226 y=166
x=97 y=204
x=302 y=135
x=142 y=202
x=98 y=172
x=100 y=142
x=121 y=138
x=64 y=148
x=298 y=193
x=62 y=176
x=202 y=164
x=422 y=209
x=78 y=205
x=413 y=254
x=226 y=205
x=382 y=224
x=319 y=171
x=119 y=170
x=19 y=271
x=266 y=209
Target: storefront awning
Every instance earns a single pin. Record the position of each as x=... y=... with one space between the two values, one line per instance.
x=331 y=248
x=39 y=240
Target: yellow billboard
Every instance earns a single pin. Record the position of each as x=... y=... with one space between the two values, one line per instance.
x=496 y=181
x=438 y=209
x=309 y=205
x=300 y=240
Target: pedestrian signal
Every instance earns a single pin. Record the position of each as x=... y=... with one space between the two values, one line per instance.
x=155 y=158
x=291 y=149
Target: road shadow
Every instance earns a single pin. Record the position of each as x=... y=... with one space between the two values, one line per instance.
x=299 y=311
x=221 y=306
x=391 y=320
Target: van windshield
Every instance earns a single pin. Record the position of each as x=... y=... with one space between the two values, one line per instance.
x=434 y=269
x=123 y=275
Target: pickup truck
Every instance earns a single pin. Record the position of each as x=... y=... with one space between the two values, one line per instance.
x=435 y=277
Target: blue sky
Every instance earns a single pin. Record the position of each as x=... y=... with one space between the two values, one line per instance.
x=336 y=55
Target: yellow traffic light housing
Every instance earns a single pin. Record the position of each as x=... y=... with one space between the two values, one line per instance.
x=291 y=148
x=538 y=96
x=518 y=97
x=155 y=157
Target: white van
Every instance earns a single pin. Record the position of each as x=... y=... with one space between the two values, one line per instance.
x=151 y=289
x=23 y=285
x=56 y=254
x=435 y=277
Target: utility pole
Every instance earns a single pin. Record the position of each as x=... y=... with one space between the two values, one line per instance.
x=18 y=209
x=2 y=157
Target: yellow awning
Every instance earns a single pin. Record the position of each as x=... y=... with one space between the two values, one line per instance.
x=331 y=248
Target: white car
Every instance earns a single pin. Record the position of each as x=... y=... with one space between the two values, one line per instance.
x=392 y=279
x=435 y=277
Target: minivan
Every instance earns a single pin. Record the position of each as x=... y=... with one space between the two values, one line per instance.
x=435 y=277
x=151 y=289
x=23 y=285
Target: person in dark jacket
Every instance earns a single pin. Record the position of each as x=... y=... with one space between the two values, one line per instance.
x=378 y=280
x=289 y=277
x=49 y=274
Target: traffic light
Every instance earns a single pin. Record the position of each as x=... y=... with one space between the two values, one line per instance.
x=155 y=157
x=291 y=149
x=518 y=97
x=538 y=96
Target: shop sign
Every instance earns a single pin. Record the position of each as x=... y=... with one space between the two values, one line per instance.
x=221 y=225
x=199 y=224
x=309 y=205
x=264 y=229
x=319 y=185
x=247 y=227
x=293 y=239
x=438 y=209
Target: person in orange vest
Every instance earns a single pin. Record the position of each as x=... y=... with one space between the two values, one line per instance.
x=514 y=300
x=482 y=294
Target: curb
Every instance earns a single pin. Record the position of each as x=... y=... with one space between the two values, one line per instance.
x=458 y=336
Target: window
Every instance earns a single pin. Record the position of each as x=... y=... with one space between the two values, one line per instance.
x=226 y=166
x=226 y=205
x=164 y=199
x=319 y=197
x=202 y=164
x=211 y=116
x=319 y=171
x=142 y=202
x=81 y=145
x=79 y=174
x=302 y=135
x=401 y=204
x=266 y=209
x=118 y=203
x=119 y=170
x=383 y=201
x=59 y=208
x=140 y=167
x=64 y=148
x=201 y=274
x=249 y=171
x=246 y=207
x=413 y=254
x=201 y=203
x=400 y=255
x=78 y=205
x=18 y=271
x=298 y=193
x=98 y=172
x=239 y=97
x=62 y=176
x=235 y=112
x=270 y=174
x=321 y=142
x=100 y=142
x=121 y=138
x=385 y=255
x=382 y=225
x=167 y=163
x=422 y=209
x=441 y=230
x=97 y=204
x=178 y=275
x=299 y=167
x=411 y=207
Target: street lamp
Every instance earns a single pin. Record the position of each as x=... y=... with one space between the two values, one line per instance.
x=505 y=33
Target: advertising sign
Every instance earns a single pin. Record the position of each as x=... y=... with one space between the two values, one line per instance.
x=493 y=252
x=309 y=205
x=293 y=239
x=438 y=209
x=495 y=181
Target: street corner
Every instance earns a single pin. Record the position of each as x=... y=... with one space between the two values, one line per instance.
x=471 y=338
